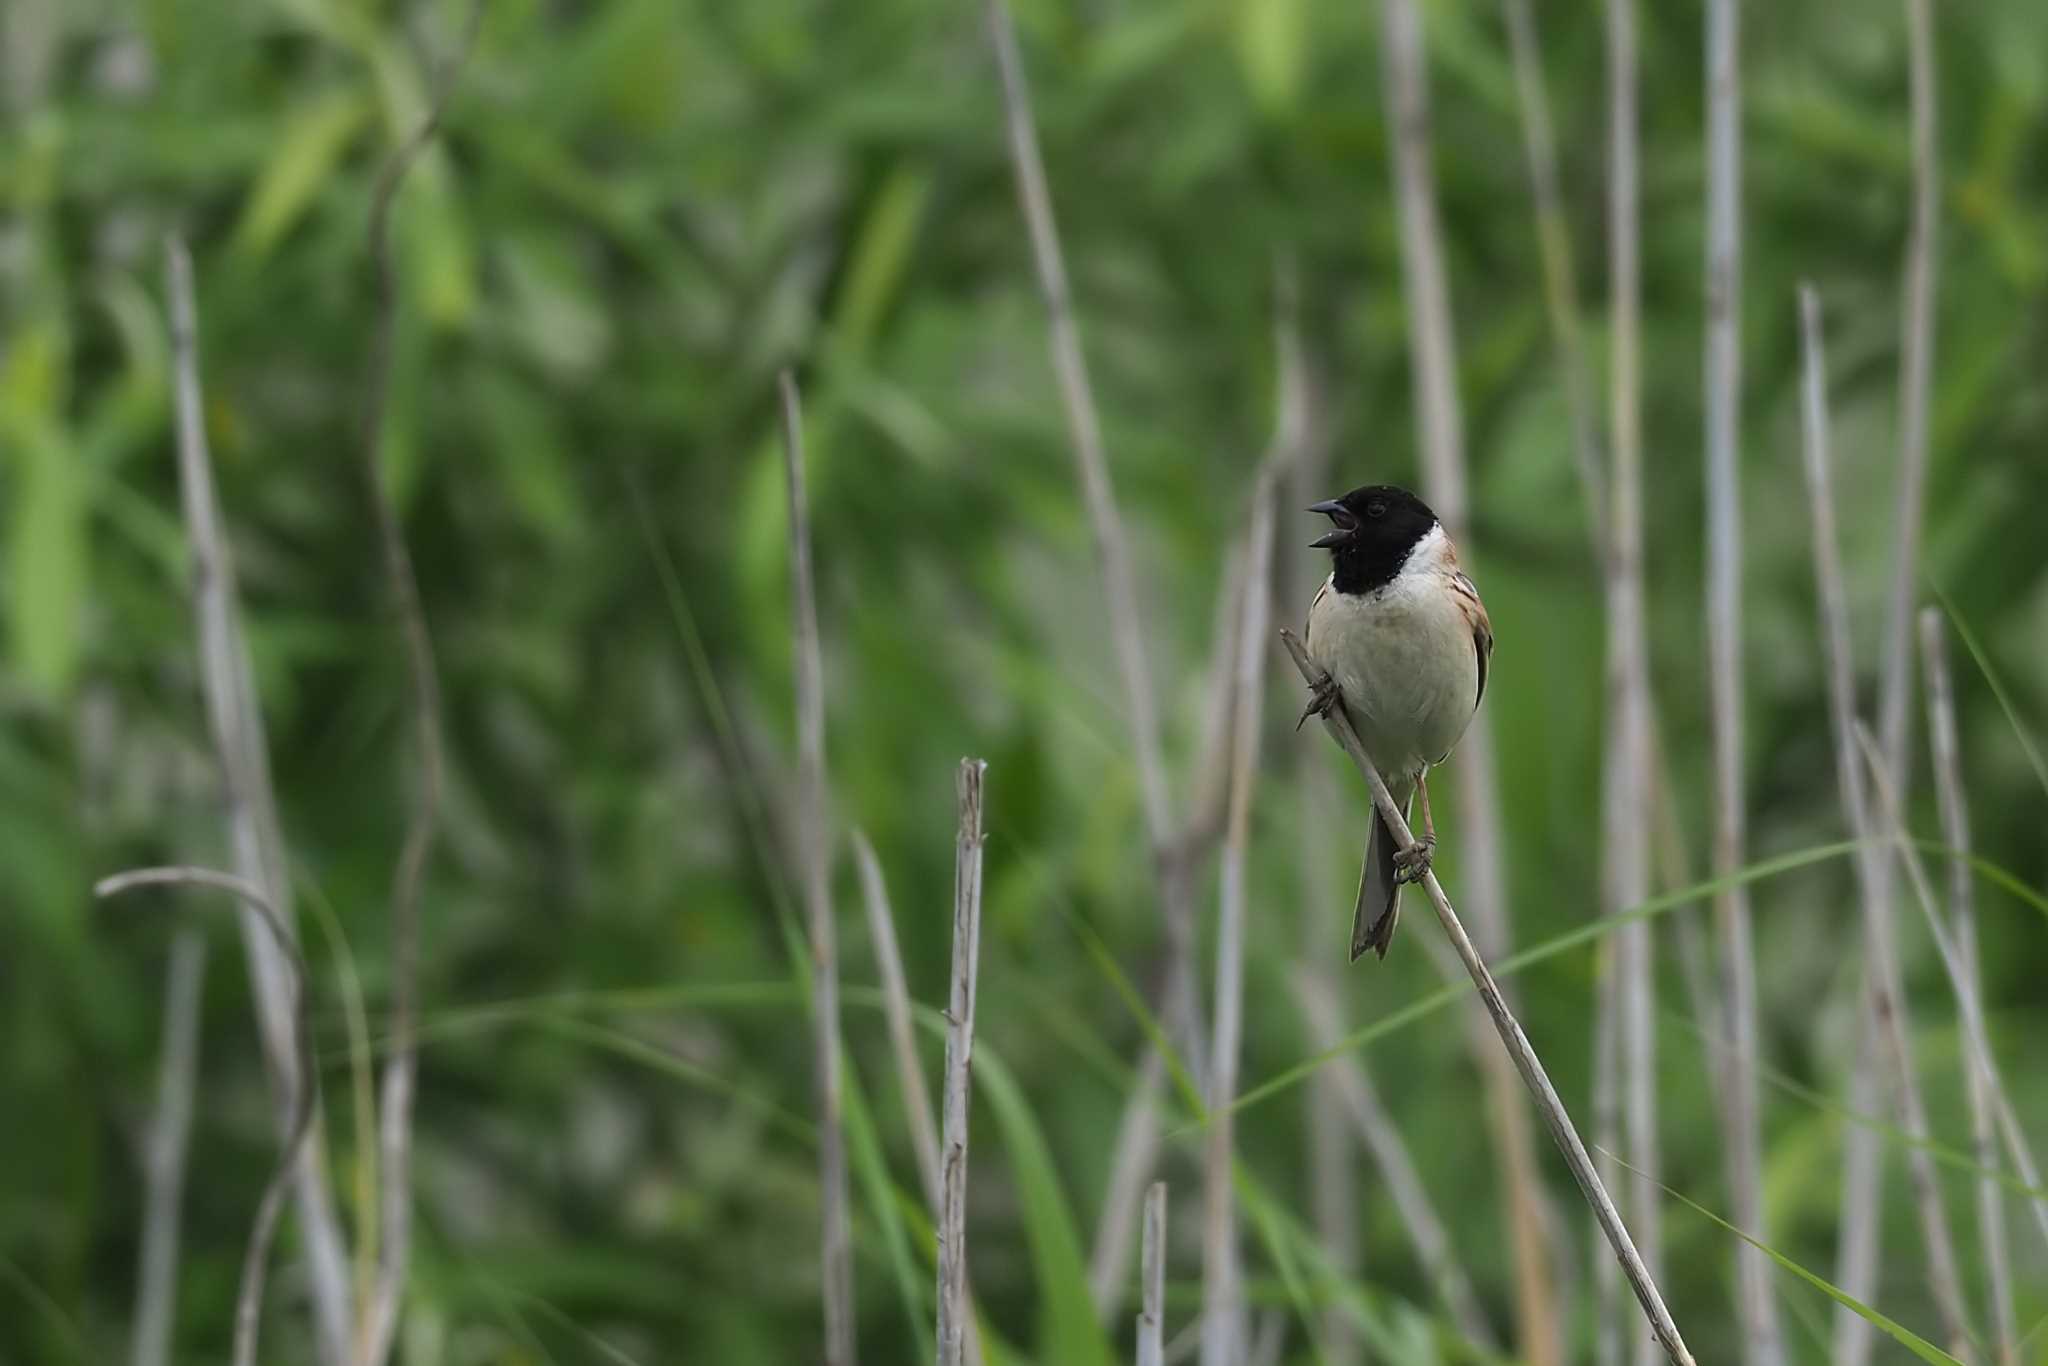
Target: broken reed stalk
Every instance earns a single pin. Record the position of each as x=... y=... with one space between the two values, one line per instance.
x=1432 y=340
x=1152 y=1279
x=1881 y=955
x=395 y=1102
x=1962 y=910
x=1741 y=1109
x=954 y=1309
x=1626 y=843
x=1382 y=1138
x=1223 y=1341
x=164 y=1144
x=256 y=849
x=896 y=1006
x=256 y=1257
x=1138 y=1131
x=1512 y=1038
x=812 y=834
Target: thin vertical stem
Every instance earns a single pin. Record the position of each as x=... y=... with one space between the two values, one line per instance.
x=1077 y=398
x=1741 y=1110
x=394 y=1112
x=1862 y=1213
x=1976 y=1035
x=814 y=841
x=1333 y=1171
x=1138 y=1132
x=1223 y=1339
x=1560 y=283
x=236 y=724
x=1439 y=417
x=1152 y=1276
x=164 y=1145
x=954 y=1311
x=1627 y=842
x=1962 y=910
x=1916 y=364
x=1881 y=962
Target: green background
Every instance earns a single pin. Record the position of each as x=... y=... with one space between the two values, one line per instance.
x=639 y=211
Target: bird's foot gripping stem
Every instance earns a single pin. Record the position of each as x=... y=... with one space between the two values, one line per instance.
x=1412 y=864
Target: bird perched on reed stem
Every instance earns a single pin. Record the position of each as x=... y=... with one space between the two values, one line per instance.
x=1406 y=642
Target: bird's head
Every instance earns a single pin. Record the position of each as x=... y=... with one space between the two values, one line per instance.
x=1384 y=521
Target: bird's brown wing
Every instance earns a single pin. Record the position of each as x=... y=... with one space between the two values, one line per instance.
x=1482 y=627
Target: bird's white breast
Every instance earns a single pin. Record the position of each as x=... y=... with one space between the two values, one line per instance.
x=1404 y=656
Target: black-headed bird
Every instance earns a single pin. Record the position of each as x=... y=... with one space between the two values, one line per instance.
x=1406 y=642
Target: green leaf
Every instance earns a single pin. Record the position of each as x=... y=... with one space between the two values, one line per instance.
x=1271 y=38
x=1068 y=1330
x=309 y=146
x=1899 y=1333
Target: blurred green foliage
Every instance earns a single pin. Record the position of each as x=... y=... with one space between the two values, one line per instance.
x=639 y=210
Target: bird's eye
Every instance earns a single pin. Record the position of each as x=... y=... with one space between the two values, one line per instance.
x=1376 y=508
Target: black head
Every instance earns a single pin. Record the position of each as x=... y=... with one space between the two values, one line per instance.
x=1373 y=529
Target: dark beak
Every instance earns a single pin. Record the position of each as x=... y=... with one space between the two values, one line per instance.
x=1331 y=508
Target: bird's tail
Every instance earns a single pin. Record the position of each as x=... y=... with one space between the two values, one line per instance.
x=1379 y=895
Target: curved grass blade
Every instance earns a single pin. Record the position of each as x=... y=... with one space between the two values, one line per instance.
x=872 y=1168
x=1068 y=1330
x=2005 y=702
x=1436 y=1000
x=1898 y=1332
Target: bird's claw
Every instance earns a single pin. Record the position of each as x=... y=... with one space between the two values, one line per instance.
x=1323 y=695
x=1412 y=864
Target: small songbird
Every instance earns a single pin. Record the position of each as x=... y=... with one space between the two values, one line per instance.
x=1406 y=641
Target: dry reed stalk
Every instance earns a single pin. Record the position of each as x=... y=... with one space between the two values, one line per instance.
x=1223 y=1341
x=1137 y=1143
x=1741 y=1110
x=1881 y=962
x=164 y=1145
x=1553 y=236
x=1962 y=910
x=1425 y=283
x=270 y=1208
x=256 y=848
x=1626 y=835
x=1152 y=1275
x=395 y=1102
x=1534 y=1077
x=955 y=1313
x=1976 y=1034
x=812 y=831
x=1332 y=1171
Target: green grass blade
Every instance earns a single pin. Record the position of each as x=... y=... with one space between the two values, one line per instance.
x=2005 y=702
x=1898 y=1332
x=1585 y=934
x=864 y=1145
x=1068 y=1330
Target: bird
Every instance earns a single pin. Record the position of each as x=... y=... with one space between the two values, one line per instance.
x=1405 y=640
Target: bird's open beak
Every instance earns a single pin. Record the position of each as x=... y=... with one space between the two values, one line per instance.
x=1337 y=513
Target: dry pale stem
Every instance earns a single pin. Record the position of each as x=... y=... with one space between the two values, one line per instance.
x=1534 y=1077
x=954 y=1309
x=236 y=725
x=812 y=832
x=1886 y=994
